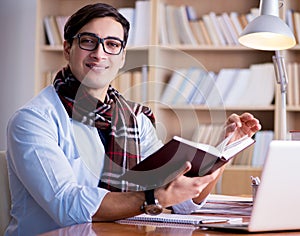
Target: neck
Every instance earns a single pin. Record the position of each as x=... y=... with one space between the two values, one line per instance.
x=98 y=93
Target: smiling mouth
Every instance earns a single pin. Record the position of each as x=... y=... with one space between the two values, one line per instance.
x=96 y=67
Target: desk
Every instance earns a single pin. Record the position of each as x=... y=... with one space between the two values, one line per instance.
x=116 y=229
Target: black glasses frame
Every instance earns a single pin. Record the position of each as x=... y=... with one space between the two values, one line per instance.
x=100 y=40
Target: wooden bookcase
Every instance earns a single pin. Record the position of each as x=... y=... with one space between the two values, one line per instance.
x=163 y=60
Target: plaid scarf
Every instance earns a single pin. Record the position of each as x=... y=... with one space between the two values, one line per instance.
x=115 y=116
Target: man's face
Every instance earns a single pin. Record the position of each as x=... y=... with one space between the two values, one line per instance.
x=96 y=69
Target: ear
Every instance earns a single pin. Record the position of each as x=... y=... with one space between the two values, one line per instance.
x=67 y=48
x=123 y=58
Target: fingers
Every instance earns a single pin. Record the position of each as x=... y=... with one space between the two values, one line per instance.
x=246 y=121
x=234 y=119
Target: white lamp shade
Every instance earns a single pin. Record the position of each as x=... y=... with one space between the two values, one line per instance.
x=267 y=32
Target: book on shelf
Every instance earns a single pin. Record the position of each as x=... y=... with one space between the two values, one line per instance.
x=142 y=23
x=229 y=87
x=171 y=22
x=262 y=84
x=227 y=36
x=263 y=139
x=244 y=158
x=204 y=88
x=123 y=84
x=187 y=86
x=194 y=25
x=239 y=86
x=208 y=133
x=129 y=14
x=60 y=22
x=296 y=24
x=173 y=86
x=198 y=76
x=289 y=18
x=163 y=31
x=234 y=17
x=217 y=28
x=211 y=30
x=192 y=219
x=197 y=31
x=243 y=20
x=54 y=29
x=137 y=85
x=230 y=27
x=296 y=84
x=186 y=35
x=48 y=31
x=293 y=85
x=49 y=78
x=165 y=164
x=205 y=32
x=223 y=86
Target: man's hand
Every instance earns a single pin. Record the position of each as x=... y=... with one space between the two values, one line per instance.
x=245 y=124
x=184 y=188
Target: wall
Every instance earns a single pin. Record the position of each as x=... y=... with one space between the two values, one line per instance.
x=17 y=27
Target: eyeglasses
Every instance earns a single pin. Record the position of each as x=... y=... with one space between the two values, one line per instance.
x=90 y=42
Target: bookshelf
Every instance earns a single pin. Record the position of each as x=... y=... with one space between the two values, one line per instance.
x=164 y=59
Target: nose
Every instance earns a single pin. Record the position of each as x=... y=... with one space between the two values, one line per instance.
x=99 y=52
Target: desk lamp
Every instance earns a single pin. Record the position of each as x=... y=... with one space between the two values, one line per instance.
x=268 y=32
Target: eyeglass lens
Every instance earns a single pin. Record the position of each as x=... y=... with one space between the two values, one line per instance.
x=91 y=42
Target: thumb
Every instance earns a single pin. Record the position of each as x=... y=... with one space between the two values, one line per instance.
x=186 y=167
x=180 y=172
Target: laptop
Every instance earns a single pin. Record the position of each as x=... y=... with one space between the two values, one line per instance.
x=277 y=203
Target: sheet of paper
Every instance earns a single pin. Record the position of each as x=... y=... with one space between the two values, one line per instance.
x=227 y=205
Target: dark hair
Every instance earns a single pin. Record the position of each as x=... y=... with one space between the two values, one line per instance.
x=87 y=13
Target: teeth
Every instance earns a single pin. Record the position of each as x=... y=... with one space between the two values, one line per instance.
x=97 y=67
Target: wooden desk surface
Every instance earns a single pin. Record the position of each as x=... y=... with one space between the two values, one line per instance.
x=116 y=229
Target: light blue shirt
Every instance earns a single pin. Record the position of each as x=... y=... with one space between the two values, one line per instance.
x=54 y=164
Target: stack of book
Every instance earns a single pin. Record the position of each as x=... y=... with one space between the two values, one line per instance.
x=177 y=25
x=181 y=25
x=230 y=87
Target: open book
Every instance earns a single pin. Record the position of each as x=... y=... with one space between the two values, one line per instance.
x=166 y=163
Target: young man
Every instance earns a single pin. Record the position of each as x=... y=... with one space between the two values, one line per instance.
x=69 y=144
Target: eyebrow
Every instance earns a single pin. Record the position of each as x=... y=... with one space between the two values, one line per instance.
x=109 y=37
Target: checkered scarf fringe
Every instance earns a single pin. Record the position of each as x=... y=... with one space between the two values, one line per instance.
x=116 y=114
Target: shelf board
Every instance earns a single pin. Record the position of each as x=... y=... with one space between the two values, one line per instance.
x=207 y=47
x=179 y=47
x=292 y=108
x=202 y=107
x=59 y=48
x=242 y=167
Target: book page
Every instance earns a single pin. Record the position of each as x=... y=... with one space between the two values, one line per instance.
x=205 y=147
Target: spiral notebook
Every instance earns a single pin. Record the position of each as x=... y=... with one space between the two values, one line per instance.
x=183 y=219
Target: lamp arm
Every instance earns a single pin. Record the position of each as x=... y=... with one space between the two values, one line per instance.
x=282 y=80
x=280 y=71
